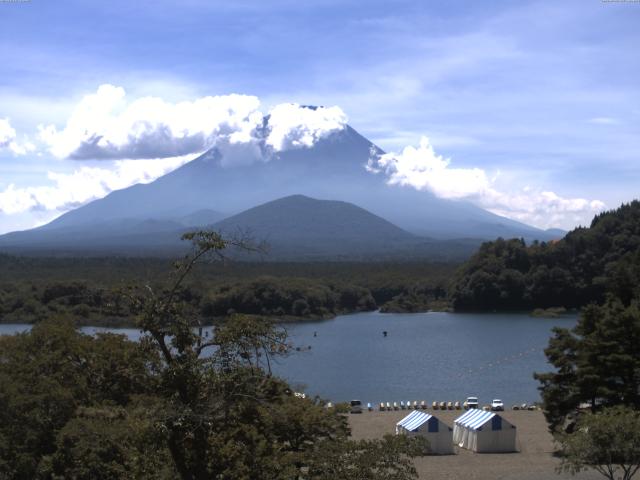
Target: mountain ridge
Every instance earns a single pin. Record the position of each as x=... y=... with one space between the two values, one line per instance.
x=334 y=168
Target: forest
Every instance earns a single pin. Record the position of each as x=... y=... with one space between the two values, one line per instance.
x=90 y=290
x=504 y=275
x=582 y=268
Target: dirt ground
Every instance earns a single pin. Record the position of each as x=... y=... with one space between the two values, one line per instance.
x=533 y=461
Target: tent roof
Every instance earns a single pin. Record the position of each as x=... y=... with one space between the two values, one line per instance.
x=474 y=419
x=414 y=420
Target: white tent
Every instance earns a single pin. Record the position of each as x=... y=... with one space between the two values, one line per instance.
x=437 y=433
x=484 y=432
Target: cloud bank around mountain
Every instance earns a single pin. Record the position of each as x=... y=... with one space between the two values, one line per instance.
x=106 y=126
x=85 y=184
x=139 y=140
x=421 y=168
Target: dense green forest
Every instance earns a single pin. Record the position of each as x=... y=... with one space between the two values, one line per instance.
x=582 y=268
x=90 y=290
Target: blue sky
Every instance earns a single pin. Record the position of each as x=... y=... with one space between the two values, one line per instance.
x=537 y=96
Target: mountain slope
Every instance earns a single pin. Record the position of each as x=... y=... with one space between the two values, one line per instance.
x=299 y=225
x=294 y=228
x=207 y=189
x=333 y=168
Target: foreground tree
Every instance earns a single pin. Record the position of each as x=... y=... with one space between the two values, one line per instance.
x=597 y=363
x=183 y=402
x=48 y=374
x=608 y=442
x=222 y=412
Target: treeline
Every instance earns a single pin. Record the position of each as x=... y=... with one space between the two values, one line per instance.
x=582 y=268
x=92 y=290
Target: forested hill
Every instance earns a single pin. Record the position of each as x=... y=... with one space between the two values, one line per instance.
x=581 y=268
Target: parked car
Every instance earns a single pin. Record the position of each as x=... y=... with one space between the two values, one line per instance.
x=356 y=406
x=497 y=405
x=471 y=402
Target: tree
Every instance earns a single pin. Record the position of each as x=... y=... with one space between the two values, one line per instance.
x=608 y=442
x=47 y=374
x=597 y=363
x=386 y=459
x=221 y=412
x=183 y=402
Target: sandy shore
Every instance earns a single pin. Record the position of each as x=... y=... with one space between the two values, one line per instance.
x=533 y=461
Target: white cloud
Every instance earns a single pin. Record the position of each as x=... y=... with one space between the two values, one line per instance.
x=292 y=126
x=84 y=184
x=543 y=208
x=423 y=169
x=8 y=139
x=105 y=126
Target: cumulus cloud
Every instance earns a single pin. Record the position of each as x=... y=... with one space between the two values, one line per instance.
x=8 y=139
x=421 y=168
x=292 y=126
x=84 y=184
x=104 y=125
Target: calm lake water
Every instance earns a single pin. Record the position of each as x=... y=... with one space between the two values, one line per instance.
x=425 y=356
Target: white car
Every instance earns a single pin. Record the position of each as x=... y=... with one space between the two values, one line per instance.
x=471 y=402
x=497 y=405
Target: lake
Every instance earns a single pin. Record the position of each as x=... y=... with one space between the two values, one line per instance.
x=425 y=356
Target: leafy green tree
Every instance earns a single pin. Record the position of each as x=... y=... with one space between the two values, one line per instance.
x=597 y=363
x=386 y=459
x=608 y=442
x=222 y=413
x=109 y=443
x=183 y=402
x=47 y=374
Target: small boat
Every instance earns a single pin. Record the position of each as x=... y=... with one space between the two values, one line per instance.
x=382 y=406
x=434 y=405
x=456 y=405
x=369 y=406
x=423 y=405
x=388 y=406
x=443 y=406
x=408 y=404
x=395 y=405
x=329 y=405
x=402 y=405
x=449 y=405
x=415 y=405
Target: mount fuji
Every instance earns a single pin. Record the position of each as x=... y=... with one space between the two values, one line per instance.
x=210 y=189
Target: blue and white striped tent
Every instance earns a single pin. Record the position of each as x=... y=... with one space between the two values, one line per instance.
x=438 y=434
x=482 y=431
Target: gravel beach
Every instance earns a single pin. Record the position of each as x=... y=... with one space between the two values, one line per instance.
x=533 y=461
